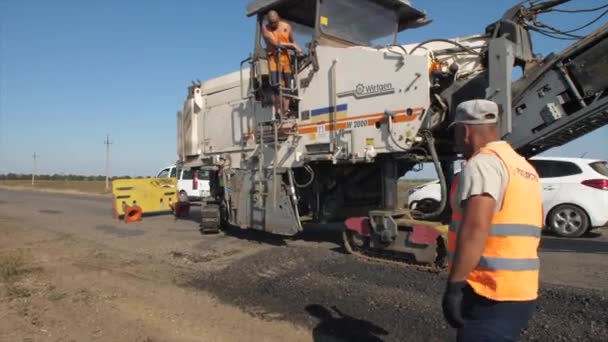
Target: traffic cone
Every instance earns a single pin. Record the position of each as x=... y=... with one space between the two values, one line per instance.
x=132 y=213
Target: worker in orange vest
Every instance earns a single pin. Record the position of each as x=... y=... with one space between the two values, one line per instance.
x=494 y=234
x=279 y=38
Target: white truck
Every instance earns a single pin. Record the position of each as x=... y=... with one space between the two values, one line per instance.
x=191 y=184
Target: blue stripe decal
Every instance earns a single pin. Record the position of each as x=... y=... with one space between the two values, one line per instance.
x=327 y=110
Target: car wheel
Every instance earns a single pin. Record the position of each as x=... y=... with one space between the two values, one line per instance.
x=183 y=196
x=426 y=205
x=567 y=220
x=413 y=205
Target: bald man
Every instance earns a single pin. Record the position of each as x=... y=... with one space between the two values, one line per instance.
x=279 y=35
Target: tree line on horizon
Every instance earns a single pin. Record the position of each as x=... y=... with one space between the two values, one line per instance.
x=60 y=177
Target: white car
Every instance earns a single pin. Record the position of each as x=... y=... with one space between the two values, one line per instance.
x=191 y=183
x=426 y=197
x=575 y=194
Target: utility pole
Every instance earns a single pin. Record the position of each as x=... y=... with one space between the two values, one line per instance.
x=107 y=143
x=34 y=157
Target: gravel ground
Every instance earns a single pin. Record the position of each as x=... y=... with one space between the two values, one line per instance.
x=339 y=296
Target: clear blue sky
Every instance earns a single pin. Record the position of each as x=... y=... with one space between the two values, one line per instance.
x=72 y=71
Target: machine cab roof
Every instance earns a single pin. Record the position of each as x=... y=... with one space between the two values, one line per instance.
x=347 y=22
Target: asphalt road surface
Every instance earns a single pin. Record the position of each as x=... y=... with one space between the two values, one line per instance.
x=304 y=288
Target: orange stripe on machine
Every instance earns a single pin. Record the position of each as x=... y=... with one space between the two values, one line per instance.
x=359 y=121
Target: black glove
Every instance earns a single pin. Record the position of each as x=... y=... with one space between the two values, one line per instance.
x=452 y=303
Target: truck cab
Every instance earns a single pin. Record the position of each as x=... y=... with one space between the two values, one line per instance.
x=193 y=184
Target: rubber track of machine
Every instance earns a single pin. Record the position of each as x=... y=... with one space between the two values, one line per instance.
x=210 y=222
x=368 y=256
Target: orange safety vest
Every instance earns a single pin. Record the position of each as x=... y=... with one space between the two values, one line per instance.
x=508 y=269
x=281 y=34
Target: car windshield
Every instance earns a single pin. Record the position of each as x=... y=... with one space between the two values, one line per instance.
x=358 y=21
x=600 y=167
x=163 y=174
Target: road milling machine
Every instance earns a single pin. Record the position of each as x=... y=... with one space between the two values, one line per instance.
x=368 y=110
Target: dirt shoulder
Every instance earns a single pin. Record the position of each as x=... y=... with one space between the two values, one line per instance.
x=90 y=188
x=55 y=287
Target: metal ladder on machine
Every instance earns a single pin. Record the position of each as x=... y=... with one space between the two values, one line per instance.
x=211 y=218
x=278 y=133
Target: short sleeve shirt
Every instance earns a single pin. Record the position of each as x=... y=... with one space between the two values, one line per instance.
x=483 y=174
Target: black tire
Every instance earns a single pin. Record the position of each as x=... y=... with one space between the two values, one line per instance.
x=413 y=205
x=183 y=196
x=425 y=205
x=352 y=241
x=567 y=220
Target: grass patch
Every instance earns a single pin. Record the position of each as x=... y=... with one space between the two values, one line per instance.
x=83 y=296
x=11 y=267
x=56 y=296
x=15 y=291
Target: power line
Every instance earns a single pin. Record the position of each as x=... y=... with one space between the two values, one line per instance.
x=544 y=33
x=581 y=10
x=556 y=33
x=553 y=31
x=587 y=24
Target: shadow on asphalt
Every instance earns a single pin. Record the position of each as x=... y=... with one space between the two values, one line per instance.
x=331 y=232
x=194 y=216
x=596 y=233
x=334 y=324
x=555 y=244
x=317 y=233
x=255 y=236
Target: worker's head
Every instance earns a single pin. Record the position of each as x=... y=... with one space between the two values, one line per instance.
x=273 y=19
x=475 y=125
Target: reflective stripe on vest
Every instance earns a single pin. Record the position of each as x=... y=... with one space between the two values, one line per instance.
x=509 y=265
x=505 y=264
x=505 y=229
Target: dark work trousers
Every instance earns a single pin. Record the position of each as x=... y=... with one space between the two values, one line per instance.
x=489 y=320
